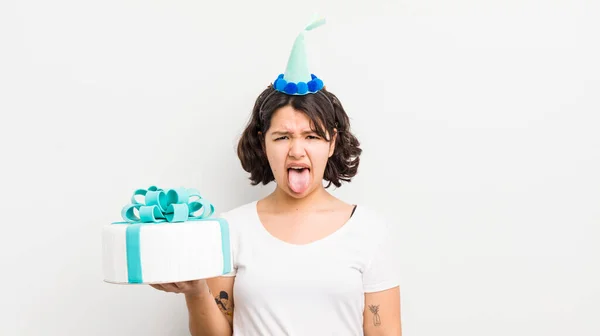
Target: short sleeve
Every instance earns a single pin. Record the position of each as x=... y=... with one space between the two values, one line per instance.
x=381 y=271
x=233 y=246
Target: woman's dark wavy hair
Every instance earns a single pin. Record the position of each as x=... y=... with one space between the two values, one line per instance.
x=325 y=112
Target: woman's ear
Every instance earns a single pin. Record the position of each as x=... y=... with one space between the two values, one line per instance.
x=332 y=142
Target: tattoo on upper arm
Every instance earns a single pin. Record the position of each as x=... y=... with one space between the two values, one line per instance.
x=375 y=310
x=224 y=303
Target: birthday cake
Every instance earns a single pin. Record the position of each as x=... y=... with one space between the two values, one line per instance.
x=165 y=236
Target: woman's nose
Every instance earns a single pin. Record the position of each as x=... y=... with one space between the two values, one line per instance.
x=297 y=148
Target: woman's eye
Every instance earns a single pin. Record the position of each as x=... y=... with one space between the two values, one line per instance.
x=313 y=137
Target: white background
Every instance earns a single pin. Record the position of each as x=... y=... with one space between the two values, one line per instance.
x=479 y=122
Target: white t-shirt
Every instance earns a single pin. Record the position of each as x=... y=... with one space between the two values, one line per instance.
x=313 y=289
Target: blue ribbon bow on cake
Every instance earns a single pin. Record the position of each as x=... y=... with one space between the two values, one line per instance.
x=173 y=205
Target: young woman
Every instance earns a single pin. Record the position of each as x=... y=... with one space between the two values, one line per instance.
x=304 y=262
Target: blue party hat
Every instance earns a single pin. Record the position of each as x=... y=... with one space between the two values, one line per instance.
x=297 y=79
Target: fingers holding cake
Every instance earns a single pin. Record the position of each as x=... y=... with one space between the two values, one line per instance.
x=184 y=287
x=168 y=287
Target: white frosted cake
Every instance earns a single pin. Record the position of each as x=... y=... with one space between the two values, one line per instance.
x=167 y=236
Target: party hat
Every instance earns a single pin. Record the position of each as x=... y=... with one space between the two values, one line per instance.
x=297 y=79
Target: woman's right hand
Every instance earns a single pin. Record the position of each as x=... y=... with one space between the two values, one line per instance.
x=189 y=288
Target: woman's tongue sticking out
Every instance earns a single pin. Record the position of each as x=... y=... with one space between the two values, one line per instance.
x=299 y=179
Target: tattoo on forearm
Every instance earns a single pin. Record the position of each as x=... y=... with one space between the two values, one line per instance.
x=375 y=310
x=224 y=303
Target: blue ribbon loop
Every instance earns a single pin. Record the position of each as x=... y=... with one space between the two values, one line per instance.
x=173 y=205
x=158 y=206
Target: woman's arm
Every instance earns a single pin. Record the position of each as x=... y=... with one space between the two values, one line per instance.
x=208 y=314
x=211 y=309
x=382 y=313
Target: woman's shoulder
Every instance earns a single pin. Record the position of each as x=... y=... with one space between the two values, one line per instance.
x=366 y=212
x=372 y=221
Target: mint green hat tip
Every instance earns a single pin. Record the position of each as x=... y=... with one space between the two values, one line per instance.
x=297 y=79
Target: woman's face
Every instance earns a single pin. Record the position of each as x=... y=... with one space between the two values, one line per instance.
x=296 y=154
